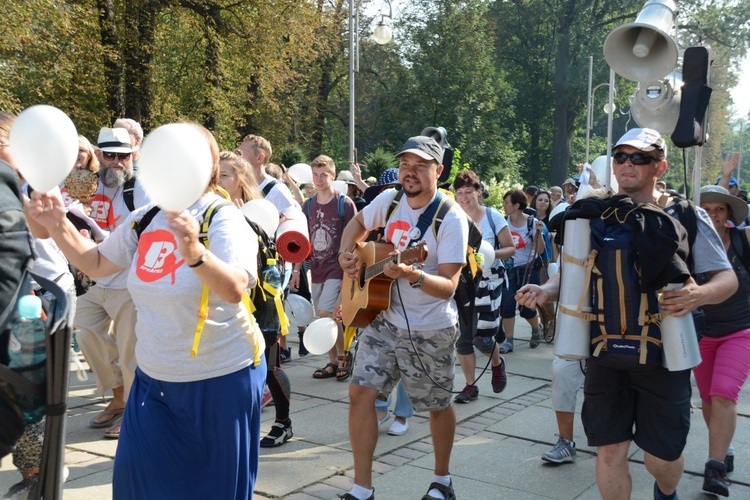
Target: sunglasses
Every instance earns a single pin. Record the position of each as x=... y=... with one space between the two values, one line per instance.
x=635 y=158
x=108 y=155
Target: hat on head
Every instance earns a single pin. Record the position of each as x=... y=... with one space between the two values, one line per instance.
x=114 y=140
x=732 y=181
x=424 y=147
x=721 y=195
x=389 y=176
x=569 y=181
x=346 y=176
x=645 y=139
x=371 y=181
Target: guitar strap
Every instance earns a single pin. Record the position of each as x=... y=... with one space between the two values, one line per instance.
x=426 y=218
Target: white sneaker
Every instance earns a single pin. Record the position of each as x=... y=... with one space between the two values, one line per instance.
x=398 y=429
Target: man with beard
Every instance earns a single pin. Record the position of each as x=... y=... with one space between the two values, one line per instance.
x=105 y=315
x=414 y=339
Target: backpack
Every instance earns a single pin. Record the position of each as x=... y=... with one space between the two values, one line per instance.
x=625 y=317
x=264 y=301
x=471 y=272
x=268 y=187
x=127 y=193
x=740 y=246
x=340 y=206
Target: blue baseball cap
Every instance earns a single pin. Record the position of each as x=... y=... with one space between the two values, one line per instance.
x=732 y=181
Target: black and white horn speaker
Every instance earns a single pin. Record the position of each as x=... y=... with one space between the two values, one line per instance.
x=656 y=104
x=644 y=50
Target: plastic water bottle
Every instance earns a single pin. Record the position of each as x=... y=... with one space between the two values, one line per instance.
x=266 y=315
x=271 y=274
x=27 y=354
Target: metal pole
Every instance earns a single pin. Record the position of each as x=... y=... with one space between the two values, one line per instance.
x=739 y=160
x=589 y=105
x=353 y=67
x=697 y=174
x=610 y=123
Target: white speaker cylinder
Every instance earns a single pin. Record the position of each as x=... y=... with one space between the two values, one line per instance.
x=573 y=334
x=680 y=349
x=644 y=42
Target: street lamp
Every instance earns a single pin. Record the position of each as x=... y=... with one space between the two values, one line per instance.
x=609 y=108
x=382 y=35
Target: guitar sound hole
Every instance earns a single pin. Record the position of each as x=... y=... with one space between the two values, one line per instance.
x=361 y=276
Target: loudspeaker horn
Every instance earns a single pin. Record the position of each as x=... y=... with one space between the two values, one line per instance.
x=644 y=50
x=656 y=104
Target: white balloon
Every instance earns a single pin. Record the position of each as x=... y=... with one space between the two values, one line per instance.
x=263 y=213
x=175 y=165
x=320 y=335
x=340 y=186
x=45 y=146
x=488 y=252
x=599 y=166
x=301 y=173
x=552 y=269
x=298 y=309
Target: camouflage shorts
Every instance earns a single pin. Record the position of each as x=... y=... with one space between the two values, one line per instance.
x=385 y=354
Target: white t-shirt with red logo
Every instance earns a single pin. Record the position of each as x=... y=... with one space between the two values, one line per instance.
x=167 y=294
x=424 y=312
x=109 y=211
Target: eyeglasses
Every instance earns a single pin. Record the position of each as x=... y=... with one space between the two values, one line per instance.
x=108 y=155
x=635 y=158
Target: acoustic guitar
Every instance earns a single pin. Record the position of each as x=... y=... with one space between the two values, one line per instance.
x=365 y=295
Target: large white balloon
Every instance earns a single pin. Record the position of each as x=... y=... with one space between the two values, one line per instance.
x=298 y=309
x=175 y=165
x=340 y=186
x=487 y=252
x=263 y=213
x=301 y=173
x=45 y=146
x=320 y=335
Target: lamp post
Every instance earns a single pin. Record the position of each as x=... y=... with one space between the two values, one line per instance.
x=609 y=108
x=382 y=35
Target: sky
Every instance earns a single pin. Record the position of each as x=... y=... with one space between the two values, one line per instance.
x=741 y=93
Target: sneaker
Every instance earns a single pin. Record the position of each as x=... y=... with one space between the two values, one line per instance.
x=507 y=346
x=470 y=393
x=349 y=496
x=446 y=491
x=564 y=451
x=398 y=429
x=24 y=489
x=280 y=433
x=267 y=398
x=536 y=337
x=285 y=355
x=499 y=377
x=715 y=478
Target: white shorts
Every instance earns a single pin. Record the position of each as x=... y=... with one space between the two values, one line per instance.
x=324 y=295
x=567 y=379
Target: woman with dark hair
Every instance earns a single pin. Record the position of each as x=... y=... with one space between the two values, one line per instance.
x=194 y=428
x=541 y=202
x=725 y=344
x=527 y=237
x=495 y=231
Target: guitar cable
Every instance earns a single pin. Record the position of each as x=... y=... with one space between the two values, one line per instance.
x=419 y=357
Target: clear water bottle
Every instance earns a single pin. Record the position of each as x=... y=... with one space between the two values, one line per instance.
x=272 y=274
x=27 y=354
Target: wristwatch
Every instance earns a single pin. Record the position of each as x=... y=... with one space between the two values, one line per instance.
x=420 y=281
x=202 y=259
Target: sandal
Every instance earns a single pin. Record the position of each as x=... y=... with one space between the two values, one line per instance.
x=114 y=431
x=343 y=372
x=447 y=491
x=324 y=373
x=111 y=418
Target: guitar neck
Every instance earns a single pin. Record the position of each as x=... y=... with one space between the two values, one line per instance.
x=376 y=269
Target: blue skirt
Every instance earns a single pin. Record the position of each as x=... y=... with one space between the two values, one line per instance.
x=190 y=439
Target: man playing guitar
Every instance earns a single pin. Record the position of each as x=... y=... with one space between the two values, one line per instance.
x=414 y=339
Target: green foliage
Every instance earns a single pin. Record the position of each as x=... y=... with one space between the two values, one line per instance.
x=377 y=162
x=290 y=154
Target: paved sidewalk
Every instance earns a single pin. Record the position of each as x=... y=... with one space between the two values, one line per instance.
x=499 y=442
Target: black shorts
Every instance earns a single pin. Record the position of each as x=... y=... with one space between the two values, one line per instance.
x=652 y=408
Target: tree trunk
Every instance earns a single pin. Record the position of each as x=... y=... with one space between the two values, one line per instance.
x=112 y=67
x=561 y=138
x=212 y=75
x=138 y=55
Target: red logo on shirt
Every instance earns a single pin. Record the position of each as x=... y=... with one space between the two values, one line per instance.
x=398 y=234
x=518 y=240
x=156 y=256
x=102 y=213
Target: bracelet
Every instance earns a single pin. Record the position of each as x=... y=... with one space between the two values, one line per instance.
x=296 y=271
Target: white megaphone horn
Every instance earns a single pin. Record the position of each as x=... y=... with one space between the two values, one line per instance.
x=656 y=104
x=644 y=50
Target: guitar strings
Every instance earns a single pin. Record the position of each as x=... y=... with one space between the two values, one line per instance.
x=421 y=363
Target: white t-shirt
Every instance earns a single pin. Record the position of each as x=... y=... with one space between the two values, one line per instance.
x=708 y=251
x=167 y=293
x=524 y=242
x=484 y=226
x=109 y=211
x=424 y=312
x=280 y=196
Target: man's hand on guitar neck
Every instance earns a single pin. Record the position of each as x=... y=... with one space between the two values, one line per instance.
x=396 y=271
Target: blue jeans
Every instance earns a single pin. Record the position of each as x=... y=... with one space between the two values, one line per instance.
x=403 y=409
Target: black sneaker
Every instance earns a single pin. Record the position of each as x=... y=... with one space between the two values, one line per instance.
x=280 y=433
x=715 y=478
x=729 y=462
x=499 y=377
x=470 y=393
x=285 y=355
x=536 y=337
